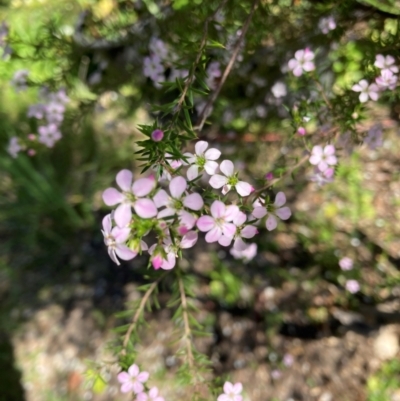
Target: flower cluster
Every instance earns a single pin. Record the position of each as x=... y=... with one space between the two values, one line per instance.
x=177 y=212
x=323 y=159
x=158 y=62
x=386 y=80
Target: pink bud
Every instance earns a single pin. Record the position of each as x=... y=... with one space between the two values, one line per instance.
x=31 y=152
x=269 y=176
x=31 y=137
x=157 y=261
x=157 y=135
x=301 y=131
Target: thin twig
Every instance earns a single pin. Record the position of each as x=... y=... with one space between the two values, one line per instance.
x=190 y=358
x=192 y=75
x=203 y=114
x=139 y=311
x=323 y=94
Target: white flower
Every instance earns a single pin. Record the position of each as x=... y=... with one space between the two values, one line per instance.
x=230 y=180
x=202 y=160
x=367 y=91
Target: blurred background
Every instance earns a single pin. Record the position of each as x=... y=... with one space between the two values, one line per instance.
x=286 y=322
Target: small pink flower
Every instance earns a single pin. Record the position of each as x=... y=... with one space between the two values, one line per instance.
x=323 y=177
x=132 y=380
x=387 y=80
x=14 y=147
x=31 y=152
x=242 y=231
x=269 y=176
x=323 y=157
x=288 y=360
x=115 y=239
x=384 y=63
x=273 y=211
x=366 y=91
x=231 y=392
x=218 y=223
x=177 y=201
x=157 y=135
x=301 y=131
x=247 y=254
x=302 y=61
x=131 y=196
x=229 y=180
x=327 y=24
x=352 y=286
x=346 y=263
x=203 y=159
x=153 y=68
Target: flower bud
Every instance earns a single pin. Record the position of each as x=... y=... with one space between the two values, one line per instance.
x=157 y=135
x=301 y=131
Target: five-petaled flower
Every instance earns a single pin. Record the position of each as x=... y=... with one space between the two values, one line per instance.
x=203 y=159
x=230 y=180
x=302 y=61
x=386 y=63
x=132 y=380
x=323 y=157
x=273 y=210
x=366 y=90
x=232 y=392
x=131 y=195
x=115 y=239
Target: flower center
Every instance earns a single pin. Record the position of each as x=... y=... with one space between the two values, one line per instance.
x=177 y=204
x=201 y=161
x=109 y=241
x=232 y=181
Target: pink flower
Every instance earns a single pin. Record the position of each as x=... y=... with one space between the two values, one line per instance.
x=366 y=91
x=273 y=211
x=323 y=157
x=387 y=80
x=218 y=223
x=242 y=231
x=301 y=131
x=132 y=380
x=131 y=195
x=14 y=147
x=152 y=396
x=158 y=48
x=384 y=63
x=269 y=176
x=323 y=177
x=176 y=202
x=153 y=68
x=288 y=360
x=202 y=160
x=231 y=392
x=352 y=286
x=327 y=24
x=157 y=135
x=230 y=180
x=302 y=61
x=346 y=263
x=115 y=239
x=247 y=254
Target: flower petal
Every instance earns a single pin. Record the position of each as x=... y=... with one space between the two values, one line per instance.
x=280 y=199
x=193 y=172
x=143 y=187
x=227 y=168
x=212 y=154
x=133 y=370
x=249 y=232
x=237 y=388
x=259 y=212
x=107 y=224
x=271 y=222
x=229 y=229
x=145 y=208
x=123 y=214
x=120 y=234
x=124 y=180
x=283 y=213
x=189 y=240
x=143 y=376
x=224 y=240
x=239 y=244
x=228 y=386
x=213 y=235
x=231 y=212
x=123 y=377
x=218 y=209
x=200 y=147
x=137 y=387
x=169 y=211
x=217 y=181
x=111 y=197
x=329 y=150
x=243 y=188
x=210 y=167
x=177 y=187
x=239 y=219
x=124 y=253
x=127 y=387
x=161 y=198
x=193 y=201
x=170 y=262
x=205 y=223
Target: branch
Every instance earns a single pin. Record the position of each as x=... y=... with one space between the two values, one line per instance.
x=190 y=358
x=139 y=311
x=203 y=43
x=203 y=115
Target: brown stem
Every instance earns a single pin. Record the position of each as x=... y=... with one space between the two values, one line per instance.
x=203 y=114
x=190 y=358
